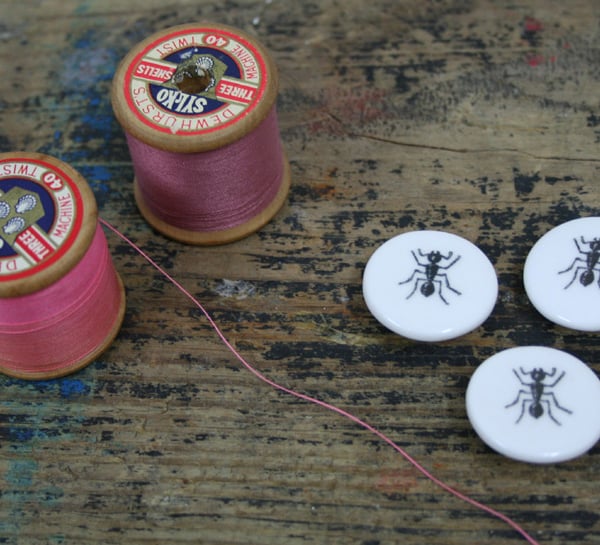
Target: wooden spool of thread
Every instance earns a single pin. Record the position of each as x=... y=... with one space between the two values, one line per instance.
x=197 y=104
x=61 y=300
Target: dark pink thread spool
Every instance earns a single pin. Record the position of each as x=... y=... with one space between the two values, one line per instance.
x=61 y=300
x=197 y=104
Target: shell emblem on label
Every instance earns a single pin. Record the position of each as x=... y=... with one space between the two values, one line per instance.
x=39 y=216
x=195 y=82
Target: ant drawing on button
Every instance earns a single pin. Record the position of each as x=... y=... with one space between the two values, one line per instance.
x=428 y=275
x=538 y=394
x=587 y=265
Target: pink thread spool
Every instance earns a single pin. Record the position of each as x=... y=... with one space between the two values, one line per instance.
x=197 y=104
x=61 y=300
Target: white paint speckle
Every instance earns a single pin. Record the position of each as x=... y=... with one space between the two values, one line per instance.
x=239 y=289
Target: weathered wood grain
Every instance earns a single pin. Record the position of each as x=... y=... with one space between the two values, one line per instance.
x=477 y=117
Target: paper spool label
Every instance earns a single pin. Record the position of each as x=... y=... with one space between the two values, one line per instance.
x=195 y=81
x=40 y=216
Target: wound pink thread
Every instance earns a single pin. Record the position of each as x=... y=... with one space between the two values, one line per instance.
x=324 y=404
x=59 y=326
x=213 y=190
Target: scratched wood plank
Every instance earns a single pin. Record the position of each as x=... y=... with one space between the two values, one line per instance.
x=481 y=118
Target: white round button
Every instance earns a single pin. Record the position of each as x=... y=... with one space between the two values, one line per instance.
x=430 y=285
x=562 y=274
x=535 y=404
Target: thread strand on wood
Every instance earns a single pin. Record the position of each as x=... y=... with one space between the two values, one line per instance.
x=365 y=425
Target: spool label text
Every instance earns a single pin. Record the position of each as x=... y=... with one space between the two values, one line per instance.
x=195 y=82
x=39 y=218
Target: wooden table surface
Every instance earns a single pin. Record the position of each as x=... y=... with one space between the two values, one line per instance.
x=477 y=117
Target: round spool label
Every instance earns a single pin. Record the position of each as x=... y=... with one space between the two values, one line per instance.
x=195 y=81
x=40 y=216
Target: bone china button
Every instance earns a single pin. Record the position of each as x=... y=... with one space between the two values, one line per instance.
x=562 y=274
x=535 y=404
x=430 y=285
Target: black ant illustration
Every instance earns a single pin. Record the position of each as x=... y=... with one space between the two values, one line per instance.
x=538 y=394
x=426 y=277
x=590 y=263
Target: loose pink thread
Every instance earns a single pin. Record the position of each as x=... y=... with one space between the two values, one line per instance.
x=213 y=190
x=56 y=327
x=324 y=404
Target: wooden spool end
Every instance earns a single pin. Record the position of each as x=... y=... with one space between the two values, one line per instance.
x=48 y=219
x=196 y=88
